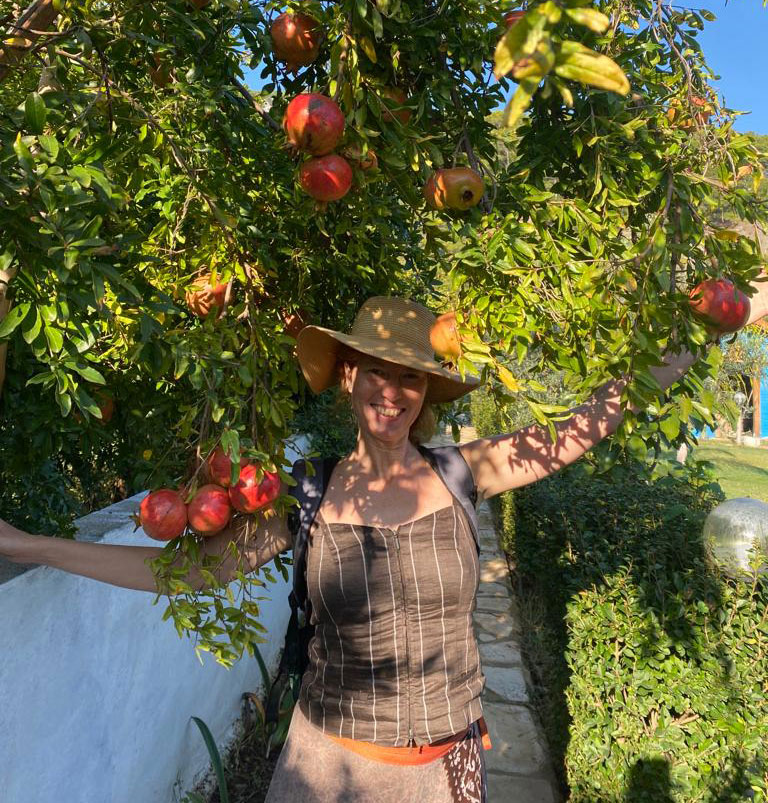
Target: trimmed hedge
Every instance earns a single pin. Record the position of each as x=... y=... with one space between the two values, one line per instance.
x=651 y=665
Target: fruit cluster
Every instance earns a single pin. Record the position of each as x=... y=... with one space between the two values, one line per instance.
x=314 y=124
x=164 y=514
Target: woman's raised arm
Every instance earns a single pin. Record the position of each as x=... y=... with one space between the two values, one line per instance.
x=503 y=462
x=128 y=566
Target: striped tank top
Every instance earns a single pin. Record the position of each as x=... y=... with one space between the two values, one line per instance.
x=394 y=658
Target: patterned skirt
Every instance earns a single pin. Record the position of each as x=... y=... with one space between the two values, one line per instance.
x=314 y=769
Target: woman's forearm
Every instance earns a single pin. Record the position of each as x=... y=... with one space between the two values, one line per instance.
x=124 y=566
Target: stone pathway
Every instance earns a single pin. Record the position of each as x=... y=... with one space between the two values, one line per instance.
x=519 y=765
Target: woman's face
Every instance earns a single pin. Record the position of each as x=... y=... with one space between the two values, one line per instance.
x=386 y=398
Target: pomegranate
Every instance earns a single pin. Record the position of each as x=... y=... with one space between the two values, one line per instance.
x=513 y=17
x=163 y=514
x=720 y=304
x=454 y=188
x=294 y=322
x=326 y=178
x=313 y=123
x=160 y=74
x=209 y=510
x=198 y=4
x=251 y=494
x=106 y=406
x=444 y=337
x=220 y=467
x=369 y=161
x=201 y=300
x=394 y=97
x=296 y=39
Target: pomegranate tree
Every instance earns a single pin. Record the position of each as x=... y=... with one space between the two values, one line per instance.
x=163 y=514
x=313 y=123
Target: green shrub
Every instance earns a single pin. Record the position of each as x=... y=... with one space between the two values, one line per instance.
x=652 y=665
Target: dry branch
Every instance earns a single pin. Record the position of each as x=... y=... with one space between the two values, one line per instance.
x=35 y=22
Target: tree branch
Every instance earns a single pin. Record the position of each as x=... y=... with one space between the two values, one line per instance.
x=35 y=22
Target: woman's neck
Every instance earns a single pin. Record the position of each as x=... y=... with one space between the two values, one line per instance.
x=383 y=460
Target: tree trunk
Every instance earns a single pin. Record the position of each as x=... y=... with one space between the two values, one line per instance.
x=21 y=37
x=5 y=304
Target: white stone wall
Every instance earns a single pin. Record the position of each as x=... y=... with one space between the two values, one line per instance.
x=97 y=691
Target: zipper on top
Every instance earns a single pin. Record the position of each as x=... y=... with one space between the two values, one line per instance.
x=407 y=646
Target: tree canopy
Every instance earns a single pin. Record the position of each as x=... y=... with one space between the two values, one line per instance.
x=137 y=166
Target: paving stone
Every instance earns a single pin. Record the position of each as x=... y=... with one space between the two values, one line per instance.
x=488 y=554
x=481 y=636
x=506 y=653
x=493 y=590
x=495 y=605
x=513 y=789
x=500 y=625
x=506 y=681
x=493 y=570
x=516 y=743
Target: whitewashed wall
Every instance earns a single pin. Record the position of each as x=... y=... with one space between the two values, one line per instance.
x=96 y=692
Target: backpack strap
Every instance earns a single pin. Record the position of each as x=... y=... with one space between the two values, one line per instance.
x=309 y=491
x=450 y=465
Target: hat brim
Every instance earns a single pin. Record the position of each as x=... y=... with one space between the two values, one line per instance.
x=317 y=350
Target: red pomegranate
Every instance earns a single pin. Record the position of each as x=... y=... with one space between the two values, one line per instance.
x=220 y=467
x=327 y=178
x=209 y=511
x=720 y=304
x=513 y=17
x=313 y=123
x=294 y=321
x=296 y=39
x=106 y=406
x=394 y=97
x=369 y=161
x=251 y=494
x=163 y=514
x=202 y=299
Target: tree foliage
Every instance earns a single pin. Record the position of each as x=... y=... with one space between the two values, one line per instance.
x=135 y=162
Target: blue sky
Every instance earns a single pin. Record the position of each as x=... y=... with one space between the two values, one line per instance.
x=735 y=46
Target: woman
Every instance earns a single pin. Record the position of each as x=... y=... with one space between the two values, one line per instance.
x=389 y=708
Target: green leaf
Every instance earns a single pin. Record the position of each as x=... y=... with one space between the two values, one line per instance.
x=213 y=752
x=579 y=63
x=35 y=113
x=590 y=17
x=54 y=338
x=520 y=101
x=13 y=319
x=90 y=374
x=32 y=326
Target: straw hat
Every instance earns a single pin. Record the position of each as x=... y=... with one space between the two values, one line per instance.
x=392 y=329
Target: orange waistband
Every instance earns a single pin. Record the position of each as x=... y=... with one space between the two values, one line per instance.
x=415 y=754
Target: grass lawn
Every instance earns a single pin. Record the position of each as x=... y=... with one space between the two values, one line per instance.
x=741 y=470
